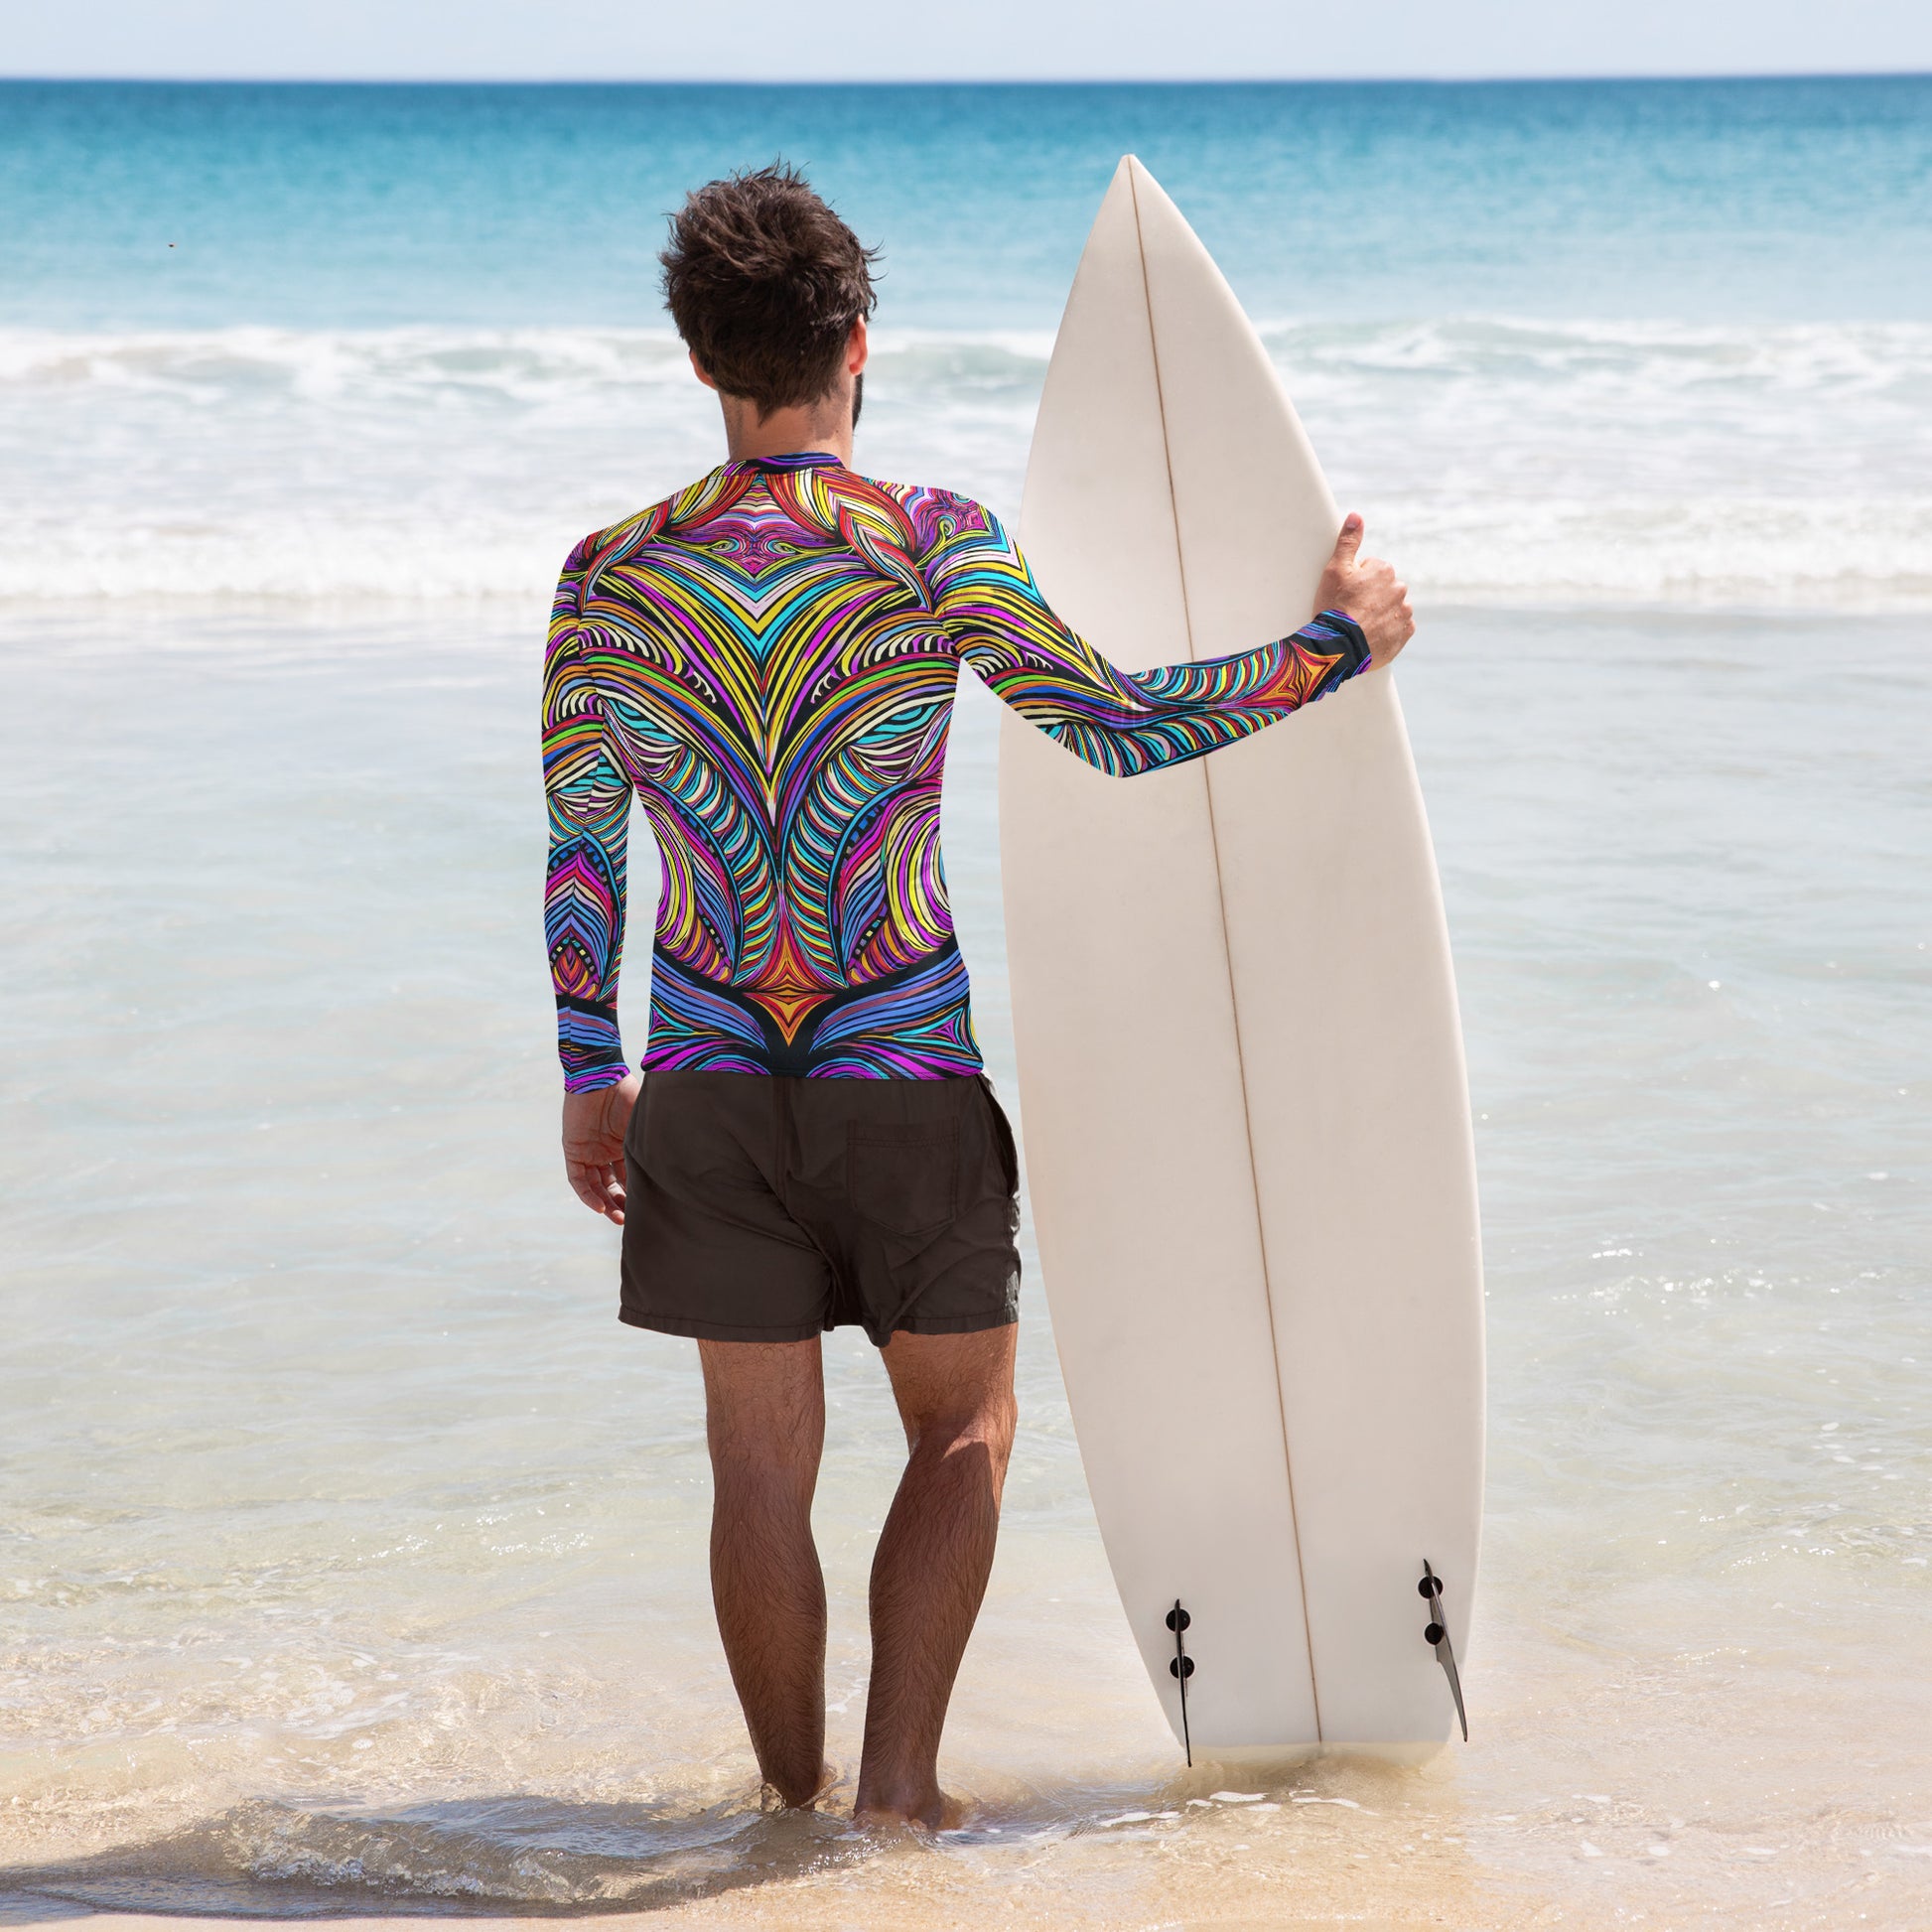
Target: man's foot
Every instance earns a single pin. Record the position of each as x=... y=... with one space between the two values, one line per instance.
x=828 y=1776
x=940 y=1811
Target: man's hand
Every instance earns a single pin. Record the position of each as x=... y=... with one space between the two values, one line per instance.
x=1366 y=588
x=594 y=1125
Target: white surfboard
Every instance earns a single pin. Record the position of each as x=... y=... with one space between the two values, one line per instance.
x=1241 y=1076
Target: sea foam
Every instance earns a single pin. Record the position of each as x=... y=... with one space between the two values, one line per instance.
x=1501 y=460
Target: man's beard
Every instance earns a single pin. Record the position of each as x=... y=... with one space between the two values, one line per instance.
x=858 y=396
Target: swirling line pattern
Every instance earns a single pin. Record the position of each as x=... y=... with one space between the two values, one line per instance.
x=768 y=660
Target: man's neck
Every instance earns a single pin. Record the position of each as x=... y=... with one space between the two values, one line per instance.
x=789 y=432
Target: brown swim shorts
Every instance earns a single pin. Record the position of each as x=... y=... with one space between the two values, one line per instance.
x=764 y=1208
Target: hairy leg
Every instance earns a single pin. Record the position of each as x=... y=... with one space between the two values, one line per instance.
x=955 y=1397
x=764 y=1419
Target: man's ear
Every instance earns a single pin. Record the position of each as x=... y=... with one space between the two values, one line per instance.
x=697 y=369
x=856 y=348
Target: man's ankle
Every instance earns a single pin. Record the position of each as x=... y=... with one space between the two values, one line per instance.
x=801 y=1794
x=907 y=1802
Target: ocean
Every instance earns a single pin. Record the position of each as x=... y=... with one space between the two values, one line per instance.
x=352 y=1555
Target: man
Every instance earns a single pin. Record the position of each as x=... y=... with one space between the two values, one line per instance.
x=766 y=661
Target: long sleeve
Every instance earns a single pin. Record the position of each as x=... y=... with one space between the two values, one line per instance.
x=1122 y=722
x=589 y=800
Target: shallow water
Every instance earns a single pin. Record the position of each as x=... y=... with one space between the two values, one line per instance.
x=353 y=1555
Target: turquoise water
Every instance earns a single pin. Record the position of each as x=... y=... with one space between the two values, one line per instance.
x=352 y=1557
x=315 y=207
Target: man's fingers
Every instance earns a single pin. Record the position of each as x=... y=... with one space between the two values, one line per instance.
x=1350 y=539
x=611 y=1188
x=594 y=1128
x=595 y=1186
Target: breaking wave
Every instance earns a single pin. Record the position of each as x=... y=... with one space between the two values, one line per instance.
x=1504 y=459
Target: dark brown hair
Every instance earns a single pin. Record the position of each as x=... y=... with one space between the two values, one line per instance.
x=765 y=283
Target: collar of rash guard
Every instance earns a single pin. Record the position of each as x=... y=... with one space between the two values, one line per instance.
x=802 y=459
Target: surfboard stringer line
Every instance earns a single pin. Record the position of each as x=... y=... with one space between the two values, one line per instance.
x=1234 y=1003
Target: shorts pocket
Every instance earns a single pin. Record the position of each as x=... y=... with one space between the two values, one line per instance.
x=905 y=1179
x=1001 y=1138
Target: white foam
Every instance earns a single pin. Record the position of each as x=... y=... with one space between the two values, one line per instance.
x=1501 y=460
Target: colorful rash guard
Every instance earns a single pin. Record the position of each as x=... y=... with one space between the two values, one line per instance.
x=767 y=661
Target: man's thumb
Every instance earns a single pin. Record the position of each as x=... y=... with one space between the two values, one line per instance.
x=1350 y=539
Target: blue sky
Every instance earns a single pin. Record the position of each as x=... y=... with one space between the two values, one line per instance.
x=536 y=40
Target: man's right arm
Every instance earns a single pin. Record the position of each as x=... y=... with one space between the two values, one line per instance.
x=589 y=801
x=1129 y=722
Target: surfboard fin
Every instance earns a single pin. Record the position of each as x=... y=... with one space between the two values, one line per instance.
x=1436 y=1635
x=1183 y=1668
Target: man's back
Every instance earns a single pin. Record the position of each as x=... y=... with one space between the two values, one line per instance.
x=768 y=658
x=774 y=682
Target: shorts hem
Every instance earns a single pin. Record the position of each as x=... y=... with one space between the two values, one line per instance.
x=951 y=1324
x=912 y=1324
x=697 y=1330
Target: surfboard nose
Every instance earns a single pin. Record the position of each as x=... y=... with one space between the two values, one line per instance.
x=1122 y=185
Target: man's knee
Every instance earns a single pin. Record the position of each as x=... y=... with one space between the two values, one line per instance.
x=763 y=1450
x=987 y=1420
x=956 y=1392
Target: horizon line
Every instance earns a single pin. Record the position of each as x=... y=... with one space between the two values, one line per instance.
x=978 y=80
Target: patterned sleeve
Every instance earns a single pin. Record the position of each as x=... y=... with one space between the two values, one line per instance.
x=1123 y=721
x=588 y=799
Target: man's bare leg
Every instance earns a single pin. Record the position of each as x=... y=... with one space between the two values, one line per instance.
x=955 y=1397
x=764 y=1419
